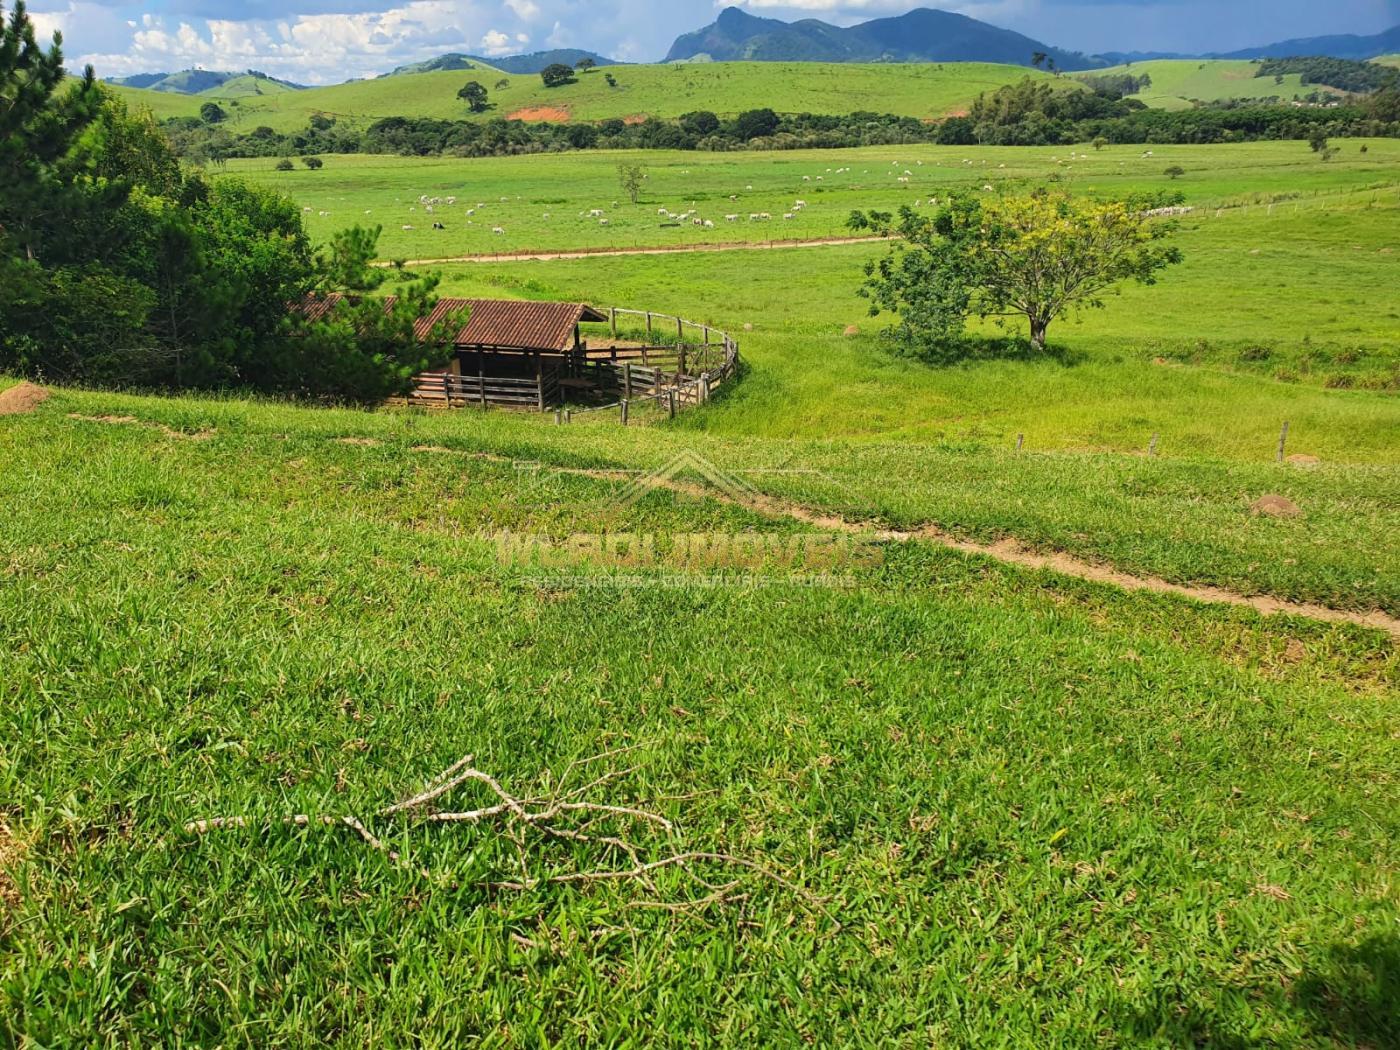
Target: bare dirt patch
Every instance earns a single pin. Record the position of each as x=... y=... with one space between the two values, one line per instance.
x=361 y=442
x=636 y=118
x=21 y=399
x=550 y=114
x=132 y=421
x=12 y=851
x=1275 y=506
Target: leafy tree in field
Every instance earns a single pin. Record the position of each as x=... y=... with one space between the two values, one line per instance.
x=285 y=164
x=1099 y=143
x=212 y=113
x=612 y=80
x=1317 y=140
x=1174 y=172
x=313 y=163
x=474 y=95
x=1038 y=58
x=631 y=177
x=503 y=83
x=557 y=75
x=1037 y=257
x=583 y=65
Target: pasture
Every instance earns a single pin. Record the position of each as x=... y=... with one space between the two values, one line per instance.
x=546 y=202
x=1004 y=806
x=1177 y=82
x=929 y=92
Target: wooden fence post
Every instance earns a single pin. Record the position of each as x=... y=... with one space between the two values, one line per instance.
x=671 y=403
x=481 y=378
x=1020 y=441
x=680 y=330
x=648 y=323
x=680 y=367
x=1282 y=440
x=568 y=415
x=704 y=388
x=623 y=406
x=1152 y=446
x=627 y=379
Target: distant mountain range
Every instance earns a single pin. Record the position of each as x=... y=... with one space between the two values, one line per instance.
x=1359 y=48
x=198 y=81
x=919 y=36
x=923 y=35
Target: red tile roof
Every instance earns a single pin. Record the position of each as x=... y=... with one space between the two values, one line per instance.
x=498 y=323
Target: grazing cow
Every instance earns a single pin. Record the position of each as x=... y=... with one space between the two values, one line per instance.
x=709 y=224
x=731 y=218
x=497 y=229
x=407 y=227
x=439 y=226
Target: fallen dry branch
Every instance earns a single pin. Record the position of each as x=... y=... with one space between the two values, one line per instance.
x=559 y=816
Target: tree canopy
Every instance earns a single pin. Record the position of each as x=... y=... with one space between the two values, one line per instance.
x=557 y=75
x=117 y=266
x=475 y=96
x=1038 y=257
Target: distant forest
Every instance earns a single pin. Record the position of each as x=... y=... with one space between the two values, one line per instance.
x=1030 y=113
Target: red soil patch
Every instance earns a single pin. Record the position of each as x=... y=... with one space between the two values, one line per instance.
x=21 y=399
x=552 y=114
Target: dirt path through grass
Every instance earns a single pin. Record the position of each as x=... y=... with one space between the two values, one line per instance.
x=667 y=249
x=1009 y=551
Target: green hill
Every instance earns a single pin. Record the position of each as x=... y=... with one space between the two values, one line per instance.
x=928 y=91
x=1177 y=81
x=249 y=86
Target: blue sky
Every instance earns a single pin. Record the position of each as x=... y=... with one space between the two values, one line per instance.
x=329 y=41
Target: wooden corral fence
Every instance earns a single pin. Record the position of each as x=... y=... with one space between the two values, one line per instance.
x=679 y=365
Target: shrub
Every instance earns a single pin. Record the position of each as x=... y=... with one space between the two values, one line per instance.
x=313 y=163
x=285 y=164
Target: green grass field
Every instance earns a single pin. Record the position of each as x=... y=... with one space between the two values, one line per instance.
x=1176 y=83
x=516 y=194
x=727 y=88
x=1008 y=807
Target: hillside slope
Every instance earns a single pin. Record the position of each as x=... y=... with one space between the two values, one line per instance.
x=1176 y=82
x=926 y=91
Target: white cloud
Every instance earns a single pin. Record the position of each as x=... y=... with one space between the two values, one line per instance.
x=526 y=9
x=495 y=43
